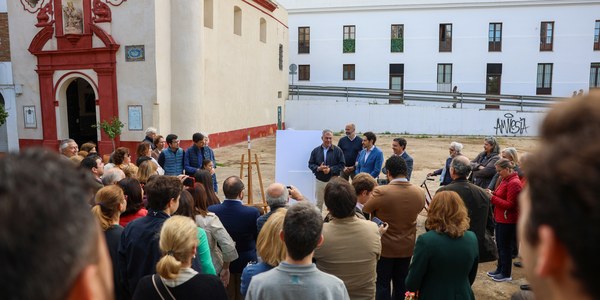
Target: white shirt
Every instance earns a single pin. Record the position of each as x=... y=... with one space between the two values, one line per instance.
x=369 y=152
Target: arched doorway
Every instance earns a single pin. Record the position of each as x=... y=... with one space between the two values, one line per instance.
x=81 y=111
x=3 y=132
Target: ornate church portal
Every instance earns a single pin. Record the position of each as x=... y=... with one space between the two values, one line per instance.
x=78 y=84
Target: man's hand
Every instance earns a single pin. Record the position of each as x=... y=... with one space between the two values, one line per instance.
x=321 y=167
x=295 y=193
x=326 y=170
x=225 y=277
x=383 y=228
x=182 y=177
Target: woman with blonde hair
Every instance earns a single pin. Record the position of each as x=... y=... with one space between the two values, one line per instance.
x=512 y=155
x=270 y=248
x=445 y=261
x=175 y=278
x=110 y=202
x=145 y=170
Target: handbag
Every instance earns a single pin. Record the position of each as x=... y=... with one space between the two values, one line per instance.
x=490 y=250
x=160 y=286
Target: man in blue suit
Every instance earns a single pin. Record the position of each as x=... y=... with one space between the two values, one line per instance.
x=370 y=158
x=240 y=223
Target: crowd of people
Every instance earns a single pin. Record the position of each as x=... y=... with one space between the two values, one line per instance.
x=127 y=230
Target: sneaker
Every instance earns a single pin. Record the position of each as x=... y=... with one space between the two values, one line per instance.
x=493 y=273
x=501 y=278
x=518 y=264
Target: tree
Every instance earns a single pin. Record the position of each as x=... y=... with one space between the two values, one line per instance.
x=3 y=115
x=112 y=128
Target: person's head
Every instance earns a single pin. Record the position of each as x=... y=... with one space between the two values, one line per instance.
x=186 y=205
x=121 y=156
x=398 y=145
x=143 y=149
x=455 y=149
x=145 y=170
x=206 y=140
x=89 y=147
x=198 y=139
x=199 y=198
x=269 y=245
x=302 y=229
x=159 y=142
x=327 y=138
x=396 y=167
x=560 y=209
x=76 y=159
x=233 y=188
x=51 y=246
x=368 y=140
x=490 y=145
x=350 y=129
x=112 y=176
x=178 y=242
x=204 y=178
x=511 y=154
x=504 y=167
x=277 y=195
x=447 y=214
x=109 y=203
x=460 y=167
x=173 y=141
x=68 y=147
x=340 y=198
x=363 y=184
x=134 y=193
x=151 y=132
x=93 y=164
x=207 y=164
x=163 y=193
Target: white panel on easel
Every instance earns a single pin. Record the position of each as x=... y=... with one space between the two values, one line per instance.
x=292 y=151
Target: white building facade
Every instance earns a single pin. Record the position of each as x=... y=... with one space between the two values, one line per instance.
x=521 y=47
x=182 y=66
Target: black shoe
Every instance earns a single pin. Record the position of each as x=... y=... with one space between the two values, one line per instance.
x=518 y=264
x=525 y=287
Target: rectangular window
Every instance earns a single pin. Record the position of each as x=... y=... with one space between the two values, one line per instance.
x=546 y=36
x=397 y=38
x=595 y=76
x=597 y=35
x=396 y=82
x=445 y=37
x=444 y=77
x=544 y=79
x=303 y=40
x=495 y=37
x=303 y=72
x=280 y=57
x=348 y=72
x=349 y=44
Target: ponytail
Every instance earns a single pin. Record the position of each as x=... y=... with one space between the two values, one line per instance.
x=107 y=201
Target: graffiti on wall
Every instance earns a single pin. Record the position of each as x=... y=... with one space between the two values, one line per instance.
x=511 y=125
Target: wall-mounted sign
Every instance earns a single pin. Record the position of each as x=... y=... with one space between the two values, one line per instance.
x=29 y=116
x=135 y=121
x=135 y=53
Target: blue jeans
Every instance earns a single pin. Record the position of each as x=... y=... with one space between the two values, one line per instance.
x=394 y=270
x=505 y=234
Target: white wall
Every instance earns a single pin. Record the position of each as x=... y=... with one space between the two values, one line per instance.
x=573 y=44
x=395 y=118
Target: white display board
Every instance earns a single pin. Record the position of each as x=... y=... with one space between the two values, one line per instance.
x=292 y=151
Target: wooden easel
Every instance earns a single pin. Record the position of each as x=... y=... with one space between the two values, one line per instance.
x=249 y=163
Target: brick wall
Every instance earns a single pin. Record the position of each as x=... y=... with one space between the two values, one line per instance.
x=4 y=38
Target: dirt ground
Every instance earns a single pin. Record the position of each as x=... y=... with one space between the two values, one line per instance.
x=429 y=154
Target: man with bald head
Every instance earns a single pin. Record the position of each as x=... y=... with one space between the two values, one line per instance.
x=277 y=197
x=351 y=145
x=477 y=202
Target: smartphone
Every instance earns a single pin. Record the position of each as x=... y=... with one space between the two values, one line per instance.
x=377 y=221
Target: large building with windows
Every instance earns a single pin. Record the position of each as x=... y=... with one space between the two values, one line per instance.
x=212 y=66
x=523 y=47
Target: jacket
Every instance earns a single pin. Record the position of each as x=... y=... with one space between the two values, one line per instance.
x=372 y=164
x=335 y=160
x=171 y=161
x=505 y=198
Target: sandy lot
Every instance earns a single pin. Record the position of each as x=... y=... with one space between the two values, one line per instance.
x=429 y=153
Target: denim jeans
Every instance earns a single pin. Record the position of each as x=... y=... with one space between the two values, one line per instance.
x=394 y=270
x=505 y=234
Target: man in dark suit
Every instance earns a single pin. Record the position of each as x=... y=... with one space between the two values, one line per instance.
x=476 y=200
x=399 y=147
x=326 y=161
x=398 y=204
x=370 y=159
x=240 y=223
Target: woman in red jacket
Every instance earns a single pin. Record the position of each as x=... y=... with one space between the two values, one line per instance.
x=506 y=214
